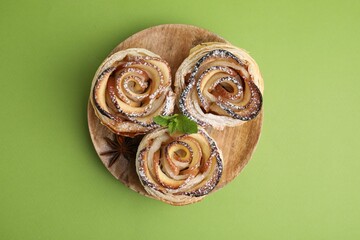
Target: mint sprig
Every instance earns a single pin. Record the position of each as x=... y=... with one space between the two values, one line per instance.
x=177 y=123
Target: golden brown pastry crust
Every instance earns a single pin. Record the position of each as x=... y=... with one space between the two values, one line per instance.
x=129 y=89
x=219 y=85
x=178 y=169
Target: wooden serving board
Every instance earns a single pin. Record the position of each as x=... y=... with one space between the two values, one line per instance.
x=172 y=42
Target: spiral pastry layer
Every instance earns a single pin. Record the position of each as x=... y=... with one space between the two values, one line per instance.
x=178 y=169
x=219 y=85
x=129 y=89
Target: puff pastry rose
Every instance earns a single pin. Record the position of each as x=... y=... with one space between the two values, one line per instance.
x=129 y=89
x=219 y=85
x=178 y=169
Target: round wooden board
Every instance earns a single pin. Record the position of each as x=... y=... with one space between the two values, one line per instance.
x=173 y=42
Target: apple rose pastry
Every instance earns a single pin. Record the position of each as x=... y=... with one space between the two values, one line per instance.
x=219 y=85
x=129 y=89
x=178 y=169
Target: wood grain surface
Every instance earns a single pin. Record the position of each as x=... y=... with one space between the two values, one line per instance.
x=173 y=43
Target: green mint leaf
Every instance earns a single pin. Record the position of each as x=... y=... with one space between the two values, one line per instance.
x=162 y=120
x=170 y=117
x=187 y=125
x=172 y=127
x=177 y=123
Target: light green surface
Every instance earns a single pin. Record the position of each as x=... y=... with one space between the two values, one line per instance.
x=302 y=183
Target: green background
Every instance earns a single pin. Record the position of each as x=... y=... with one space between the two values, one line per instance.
x=302 y=182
